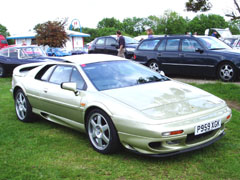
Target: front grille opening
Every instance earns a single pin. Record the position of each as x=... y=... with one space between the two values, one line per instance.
x=191 y=138
x=155 y=145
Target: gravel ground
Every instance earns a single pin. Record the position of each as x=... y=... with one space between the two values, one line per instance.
x=200 y=81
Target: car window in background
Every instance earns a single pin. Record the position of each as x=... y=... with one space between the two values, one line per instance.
x=148 y=45
x=129 y=40
x=213 y=43
x=162 y=45
x=61 y=74
x=4 y=52
x=110 y=41
x=190 y=45
x=100 y=41
x=172 y=44
x=76 y=77
x=120 y=74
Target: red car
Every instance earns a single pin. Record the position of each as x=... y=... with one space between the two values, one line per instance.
x=3 y=41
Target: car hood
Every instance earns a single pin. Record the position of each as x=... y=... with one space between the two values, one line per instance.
x=131 y=45
x=165 y=99
x=235 y=52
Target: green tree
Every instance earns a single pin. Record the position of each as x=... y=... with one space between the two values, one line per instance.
x=133 y=26
x=109 y=23
x=202 y=22
x=198 y=5
x=172 y=23
x=4 y=31
x=234 y=26
x=205 y=5
x=51 y=33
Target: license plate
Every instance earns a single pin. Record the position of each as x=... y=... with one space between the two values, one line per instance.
x=203 y=128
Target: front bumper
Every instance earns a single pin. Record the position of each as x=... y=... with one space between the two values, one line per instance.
x=184 y=150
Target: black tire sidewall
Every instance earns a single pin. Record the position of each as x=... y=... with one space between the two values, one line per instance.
x=114 y=143
x=3 y=71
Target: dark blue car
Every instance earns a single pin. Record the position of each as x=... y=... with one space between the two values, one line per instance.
x=12 y=57
x=109 y=45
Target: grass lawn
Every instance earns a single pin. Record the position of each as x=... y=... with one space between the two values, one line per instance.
x=44 y=150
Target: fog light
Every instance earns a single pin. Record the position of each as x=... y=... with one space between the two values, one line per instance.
x=172 y=133
x=173 y=142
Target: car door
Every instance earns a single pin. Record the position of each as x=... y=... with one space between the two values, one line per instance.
x=58 y=101
x=194 y=60
x=168 y=55
x=100 y=46
x=111 y=46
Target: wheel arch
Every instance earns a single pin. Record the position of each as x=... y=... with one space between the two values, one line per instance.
x=16 y=88
x=90 y=108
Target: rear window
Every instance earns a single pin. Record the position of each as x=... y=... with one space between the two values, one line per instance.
x=148 y=45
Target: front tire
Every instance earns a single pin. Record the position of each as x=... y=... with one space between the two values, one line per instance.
x=227 y=72
x=23 y=107
x=101 y=132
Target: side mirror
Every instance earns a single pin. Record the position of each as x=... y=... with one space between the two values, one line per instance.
x=70 y=86
x=162 y=73
x=200 y=50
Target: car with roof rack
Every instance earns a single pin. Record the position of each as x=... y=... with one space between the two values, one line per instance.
x=190 y=55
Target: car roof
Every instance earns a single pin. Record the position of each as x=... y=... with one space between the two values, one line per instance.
x=91 y=58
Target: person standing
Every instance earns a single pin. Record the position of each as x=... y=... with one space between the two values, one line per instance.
x=150 y=33
x=121 y=44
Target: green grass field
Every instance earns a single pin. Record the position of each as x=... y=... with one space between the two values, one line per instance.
x=43 y=150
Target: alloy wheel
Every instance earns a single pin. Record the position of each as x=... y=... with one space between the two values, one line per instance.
x=99 y=131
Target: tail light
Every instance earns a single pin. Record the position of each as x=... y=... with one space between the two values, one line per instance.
x=89 y=47
x=134 y=57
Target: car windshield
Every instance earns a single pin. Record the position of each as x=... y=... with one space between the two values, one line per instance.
x=28 y=52
x=213 y=43
x=119 y=74
x=129 y=40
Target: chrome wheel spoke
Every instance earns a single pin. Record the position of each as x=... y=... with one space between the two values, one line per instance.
x=105 y=127
x=105 y=139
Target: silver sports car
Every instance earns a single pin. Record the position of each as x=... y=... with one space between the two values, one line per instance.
x=118 y=102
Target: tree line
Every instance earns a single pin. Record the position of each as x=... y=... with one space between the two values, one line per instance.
x=52 y=32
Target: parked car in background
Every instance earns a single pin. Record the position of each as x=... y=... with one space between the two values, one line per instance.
x=83 y=50
x=117 y=101
x=58 y=52
x=109 y=45
x=204 y=56
x=11 y=57
x=3 y=41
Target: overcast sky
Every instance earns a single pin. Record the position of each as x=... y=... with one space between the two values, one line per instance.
x=21 y=15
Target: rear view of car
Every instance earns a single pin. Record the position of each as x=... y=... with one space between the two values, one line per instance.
x=3 y=42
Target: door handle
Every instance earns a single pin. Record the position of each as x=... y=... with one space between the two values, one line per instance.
x=181 y=54
x=159 y=54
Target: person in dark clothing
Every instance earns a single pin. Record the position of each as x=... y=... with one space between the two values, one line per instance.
x=121 y=43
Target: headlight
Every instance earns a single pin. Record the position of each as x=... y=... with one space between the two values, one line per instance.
x=130 y=49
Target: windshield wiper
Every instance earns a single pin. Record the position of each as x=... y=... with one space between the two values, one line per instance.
x=150 y=79
x=216 y=48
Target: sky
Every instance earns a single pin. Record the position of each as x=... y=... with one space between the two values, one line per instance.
x=19 y=16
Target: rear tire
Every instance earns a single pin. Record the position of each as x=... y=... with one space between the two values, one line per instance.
x=101 y=132
x=23 y=107
x=153 y=64
x=2 y=71
x=227 y=72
